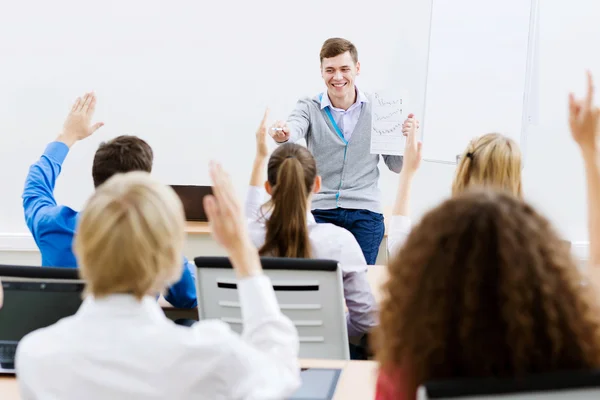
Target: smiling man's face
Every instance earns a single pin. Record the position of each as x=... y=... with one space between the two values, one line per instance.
x=339 y=74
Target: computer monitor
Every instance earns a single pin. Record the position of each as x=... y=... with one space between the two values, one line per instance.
x=34 y=298
x=192 y=198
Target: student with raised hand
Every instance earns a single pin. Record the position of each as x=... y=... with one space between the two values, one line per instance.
x=285 y=227
x=52 y=225
x=584 y=124
x=120 y=344
x=400 y=223
x=474 y=293
x=491 y=160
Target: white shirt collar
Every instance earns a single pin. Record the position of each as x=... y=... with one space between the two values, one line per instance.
x=360 y=98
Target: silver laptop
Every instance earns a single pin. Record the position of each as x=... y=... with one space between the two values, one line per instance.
x=30 y=304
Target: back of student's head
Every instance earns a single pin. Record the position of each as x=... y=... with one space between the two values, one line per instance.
x=119 y=155
x=292 y=173
x=484 y=286
x=130 y=237
x=491 y=160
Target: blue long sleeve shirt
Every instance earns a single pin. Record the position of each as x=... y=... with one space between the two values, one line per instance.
x=53 y=226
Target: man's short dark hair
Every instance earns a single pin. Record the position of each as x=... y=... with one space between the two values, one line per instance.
x=119 y=155
x=333 y=47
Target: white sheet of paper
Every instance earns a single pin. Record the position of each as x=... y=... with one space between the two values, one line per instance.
x=388 y=113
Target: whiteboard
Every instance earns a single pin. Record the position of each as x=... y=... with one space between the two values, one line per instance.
x=554 y=178
x=191 y=79
x=477 y=72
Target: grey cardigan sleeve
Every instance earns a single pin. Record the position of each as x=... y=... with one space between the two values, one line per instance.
x=299 y=122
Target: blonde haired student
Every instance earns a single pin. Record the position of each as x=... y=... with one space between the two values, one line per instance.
x=492 y=160
x=285 y=227
x=489 y=160
x=120 y=345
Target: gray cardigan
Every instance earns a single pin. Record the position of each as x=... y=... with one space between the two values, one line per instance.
x=348 y=170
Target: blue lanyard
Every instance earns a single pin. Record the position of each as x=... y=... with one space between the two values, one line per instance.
x=341 y=135
x=333 y=123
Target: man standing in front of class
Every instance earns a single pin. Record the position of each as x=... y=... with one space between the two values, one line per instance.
x=337 y=128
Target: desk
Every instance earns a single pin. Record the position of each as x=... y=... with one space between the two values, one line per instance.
x=357 y=380
x=201 y=243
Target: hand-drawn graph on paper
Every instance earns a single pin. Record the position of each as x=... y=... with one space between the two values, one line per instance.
x=388 y=113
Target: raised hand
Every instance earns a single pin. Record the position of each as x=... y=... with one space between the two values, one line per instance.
x=583 y=119
x=78 y=124
x=228 y=224
x=262 y=151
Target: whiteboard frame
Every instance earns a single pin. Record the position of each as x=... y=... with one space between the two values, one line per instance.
x=528 y=117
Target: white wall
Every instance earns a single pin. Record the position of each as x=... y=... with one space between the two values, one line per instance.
x=193 y=79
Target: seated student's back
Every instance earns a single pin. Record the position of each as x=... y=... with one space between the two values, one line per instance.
x=53 y=225
x=120 y=345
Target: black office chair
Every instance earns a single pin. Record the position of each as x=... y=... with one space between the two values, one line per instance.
x=568 y=385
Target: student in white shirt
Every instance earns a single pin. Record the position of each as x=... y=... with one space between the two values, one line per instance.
x=120 y=345
x=491 y=160
x=285 y=227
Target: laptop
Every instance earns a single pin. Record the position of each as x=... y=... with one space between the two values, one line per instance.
x=31 y=303
x=192 y=199
x=317 y=384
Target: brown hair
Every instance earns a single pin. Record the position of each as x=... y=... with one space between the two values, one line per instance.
x=484 y=287
x=291 y=172
x=489 y=160
x=333 y=47
x=121 y=154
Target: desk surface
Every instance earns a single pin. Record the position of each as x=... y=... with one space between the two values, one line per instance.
x=195 y=227
x=203 y=228
x=357 y=380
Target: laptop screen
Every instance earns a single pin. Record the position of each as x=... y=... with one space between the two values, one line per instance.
x=31 y=305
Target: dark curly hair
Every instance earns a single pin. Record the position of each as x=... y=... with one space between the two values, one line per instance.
x=485 y=287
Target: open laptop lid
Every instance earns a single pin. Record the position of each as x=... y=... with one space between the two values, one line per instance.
x=31 y=304
x=192 y=199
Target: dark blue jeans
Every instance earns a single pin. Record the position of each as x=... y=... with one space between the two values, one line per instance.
x=366 y=226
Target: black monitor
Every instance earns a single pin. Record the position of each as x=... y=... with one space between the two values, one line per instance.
x=192 y=198
x=34 y=298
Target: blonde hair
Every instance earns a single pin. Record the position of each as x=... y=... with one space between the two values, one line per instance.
x=491 y=160
x=130 y=237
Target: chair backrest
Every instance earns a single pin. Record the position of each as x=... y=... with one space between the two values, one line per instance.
x=571 y=385
x=36 y=297
x=309 y=292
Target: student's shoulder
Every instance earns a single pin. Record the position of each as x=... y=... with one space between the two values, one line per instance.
x=56 y=219
x=46 y=342
x=207 y=333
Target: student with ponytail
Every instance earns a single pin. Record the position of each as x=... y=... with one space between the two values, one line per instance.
x=285 y=227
